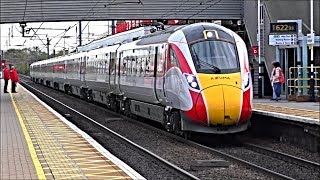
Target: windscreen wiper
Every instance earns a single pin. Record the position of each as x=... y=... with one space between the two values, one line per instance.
x=216 y=69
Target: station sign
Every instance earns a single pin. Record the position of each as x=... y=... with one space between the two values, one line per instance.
x=282 y=39
x=284 y=27
x=255 y=50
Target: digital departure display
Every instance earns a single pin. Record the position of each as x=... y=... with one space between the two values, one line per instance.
x=283 y=27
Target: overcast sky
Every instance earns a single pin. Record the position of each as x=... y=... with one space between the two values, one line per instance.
x=57 y=32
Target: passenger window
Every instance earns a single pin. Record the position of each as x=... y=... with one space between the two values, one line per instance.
x=173 y=58
x=134 y=66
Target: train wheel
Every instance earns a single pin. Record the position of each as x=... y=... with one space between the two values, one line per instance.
x=90 y=95
x=175 y=122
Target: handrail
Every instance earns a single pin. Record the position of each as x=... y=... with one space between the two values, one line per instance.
x=296 y=80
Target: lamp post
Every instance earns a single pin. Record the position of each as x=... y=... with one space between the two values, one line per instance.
x=312 y=80
x=259 y=54
x=312 y=35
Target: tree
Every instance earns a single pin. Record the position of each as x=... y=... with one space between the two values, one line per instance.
x=22 y=58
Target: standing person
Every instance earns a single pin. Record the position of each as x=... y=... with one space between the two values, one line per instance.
x=275 y=77
x=14 y=79
x=6 y=77
x=274 y=96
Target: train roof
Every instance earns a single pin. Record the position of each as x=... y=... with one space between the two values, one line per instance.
x=157 y=37
x=196 y=31
x=103 y=50
x=60 y=58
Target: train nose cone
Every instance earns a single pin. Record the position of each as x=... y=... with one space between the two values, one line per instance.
x=222 y=95
x=223 y=104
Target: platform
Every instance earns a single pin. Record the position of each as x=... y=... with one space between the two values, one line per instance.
x=306 y=112
x=38 y=143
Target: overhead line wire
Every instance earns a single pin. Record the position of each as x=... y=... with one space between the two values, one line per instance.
x=25 y=9
x=205 y=9
x=183 y=10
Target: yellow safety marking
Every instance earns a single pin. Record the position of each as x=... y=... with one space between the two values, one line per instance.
x=60 y=150
x=88 y=166
x=113 y=177
x=32 y=151
x=94 y=161
x=287 y=110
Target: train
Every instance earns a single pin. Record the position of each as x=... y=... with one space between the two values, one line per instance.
x=191 y=78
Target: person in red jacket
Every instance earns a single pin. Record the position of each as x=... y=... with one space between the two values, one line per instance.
x=6 y=77
x=14 y=79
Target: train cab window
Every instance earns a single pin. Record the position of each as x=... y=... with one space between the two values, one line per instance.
x=215 y=57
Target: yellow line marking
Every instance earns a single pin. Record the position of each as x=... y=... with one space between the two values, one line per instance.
x=32 y=151
x=286 y=108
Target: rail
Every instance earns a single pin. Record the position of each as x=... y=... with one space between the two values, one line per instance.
x=296 y=83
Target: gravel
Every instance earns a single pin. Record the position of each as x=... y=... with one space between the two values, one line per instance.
x=277 y=165
x=287 y=148
x=168 y=148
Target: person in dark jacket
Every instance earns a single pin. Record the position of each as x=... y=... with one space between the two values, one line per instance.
x=6 y=77
x=14 y=79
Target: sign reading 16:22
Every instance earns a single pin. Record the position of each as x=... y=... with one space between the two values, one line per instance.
x=286 y=27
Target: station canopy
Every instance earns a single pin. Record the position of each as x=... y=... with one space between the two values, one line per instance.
x=19 y=11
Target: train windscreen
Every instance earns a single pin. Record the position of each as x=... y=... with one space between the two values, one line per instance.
x=215 y=57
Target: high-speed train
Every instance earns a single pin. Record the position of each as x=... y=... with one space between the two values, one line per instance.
x=190 y=78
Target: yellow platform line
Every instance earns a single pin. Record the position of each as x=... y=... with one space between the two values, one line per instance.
x=32 y=151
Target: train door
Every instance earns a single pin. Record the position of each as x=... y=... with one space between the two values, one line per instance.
x=106 y=67
x=83 y=70
x=160 y=69
x=113 y=71
x=65 y=70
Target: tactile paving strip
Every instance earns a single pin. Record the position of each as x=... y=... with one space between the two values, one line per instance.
x=290 y=111
x=63 y=153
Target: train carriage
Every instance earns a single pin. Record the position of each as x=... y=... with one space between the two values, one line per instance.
x=191 y=78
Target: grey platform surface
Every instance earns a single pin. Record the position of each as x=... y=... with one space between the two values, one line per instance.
x=15 y=162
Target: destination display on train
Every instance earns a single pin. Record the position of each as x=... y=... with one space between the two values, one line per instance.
x=286 y=27
x=282 y=39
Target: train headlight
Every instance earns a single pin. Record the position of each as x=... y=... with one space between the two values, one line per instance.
x=209 y=34
x=189 y=78
x=192 y=81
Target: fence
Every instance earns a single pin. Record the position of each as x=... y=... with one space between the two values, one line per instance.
x=296 y=83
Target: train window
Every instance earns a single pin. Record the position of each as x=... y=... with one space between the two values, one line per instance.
x=106 y=67
x=129 y=63
x=134 y=66
x=139 y=60
x=173 y=58
x=215 y=57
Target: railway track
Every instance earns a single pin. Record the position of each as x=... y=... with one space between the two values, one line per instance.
x=173 y=171
x=283 y=156
x=288 y=166
x=221 y=153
